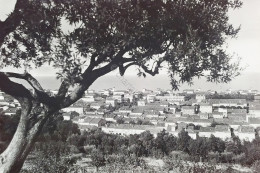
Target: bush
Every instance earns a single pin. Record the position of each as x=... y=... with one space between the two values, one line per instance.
x=179 y=155
x=226 y=157
x=240 y=159
x=256 y=166
x=213 y=157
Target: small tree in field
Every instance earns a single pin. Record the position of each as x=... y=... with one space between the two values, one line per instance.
x=184 y=36
x=98 y=159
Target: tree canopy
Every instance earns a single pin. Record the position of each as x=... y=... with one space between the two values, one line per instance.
x=186 y=36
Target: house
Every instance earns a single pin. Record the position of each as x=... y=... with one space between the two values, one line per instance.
x=236 y=125
x=125 y=109
x=254 y=108
x=246 y=133
x=129 y=129
x=94 y=115
x=222 y=131
x=66 y=116
x=191 y=132
x=217 y=115
x=255 y=122
x=228 y=102
x=89 y=91
x=77 y=109
x=10 y=111
x=118 y=97
x=137 y=111
x=146 y=91
x=238 y=117
x=98 y=122
x=151 y=114
x=4 y=107
x=206 y=132
x=150 y=98
x=105 y=92
x=111 y=101
x=156 y=121
x=204 y=115
x=164 y=104
x=3 y=103
x=188 y=91
x=205 y=108
x=2 y=98
x=172 y=108
x=101 y=111
x=170 y=98
x=222 y=110
x=236 y=111
x=110 y=117
x=119 y=92
x=141 y=103
x=189 y=110
x=96 y=105
x=257 y=97
x=181 y=125
x=170 y=126
x=196 y=122
x=200 y=97
x=154 y=107
x=129 y=97
x=178 y=114
x=88 y=98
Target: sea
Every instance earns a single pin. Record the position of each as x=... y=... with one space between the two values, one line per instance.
x=248 y=81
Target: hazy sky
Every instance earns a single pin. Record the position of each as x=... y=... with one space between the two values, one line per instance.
x=246 y=45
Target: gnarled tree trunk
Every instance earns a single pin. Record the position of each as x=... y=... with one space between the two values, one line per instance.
x=12 y=159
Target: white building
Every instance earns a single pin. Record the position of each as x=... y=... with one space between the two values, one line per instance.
x=170 y=98
x=141 y=103
x=74 y=108
x=111 y=101
x=222 y=131
x=200 y=97
x=129 y=96
x=88 y=98
x=205 y=108
x=246 y=133
x=150 y=98
x=119 y=98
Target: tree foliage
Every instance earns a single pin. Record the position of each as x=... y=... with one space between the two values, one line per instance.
x=185 y=36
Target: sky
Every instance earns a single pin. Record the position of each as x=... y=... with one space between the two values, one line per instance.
x=246 y=45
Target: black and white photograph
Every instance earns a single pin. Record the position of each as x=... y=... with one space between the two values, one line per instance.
x=129 y=86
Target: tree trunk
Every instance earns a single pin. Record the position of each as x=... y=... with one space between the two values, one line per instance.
x=12 y=159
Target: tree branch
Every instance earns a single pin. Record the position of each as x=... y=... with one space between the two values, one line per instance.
x=14 y=89
x=39 y=94
x=150 y=71
x=64 y=87
x=123 y=68
x=28 y=77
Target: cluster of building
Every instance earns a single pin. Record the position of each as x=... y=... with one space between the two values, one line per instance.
x=8 y=105
x=126 y=112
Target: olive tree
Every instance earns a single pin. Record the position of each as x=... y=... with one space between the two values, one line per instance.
x=186 y=37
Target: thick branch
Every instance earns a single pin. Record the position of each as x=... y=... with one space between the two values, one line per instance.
x=64 y=87
x=40 y=94
x=151 y=71
x=14 y=89
x=123 y=68
x=89 y=77
x=28 y=77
